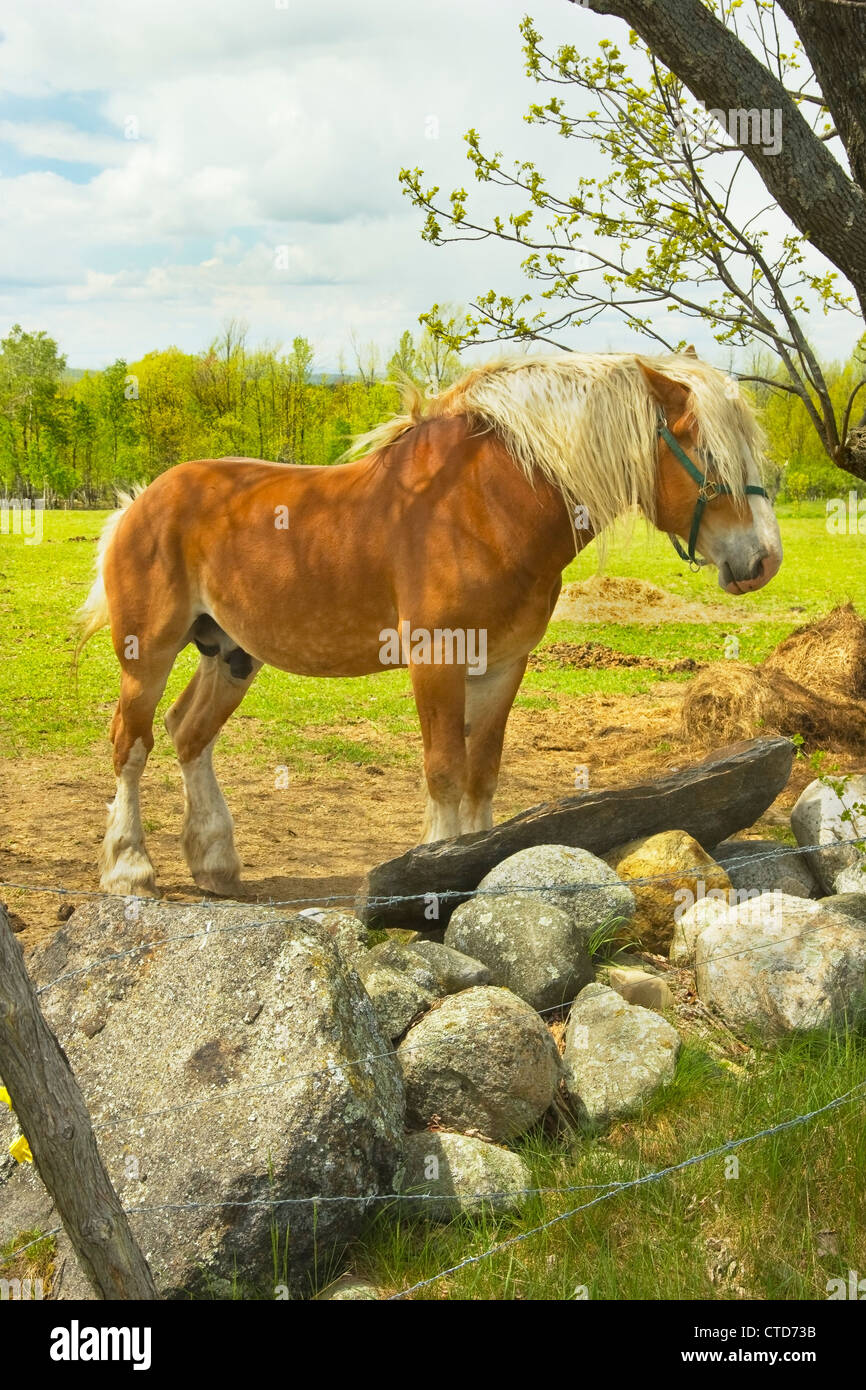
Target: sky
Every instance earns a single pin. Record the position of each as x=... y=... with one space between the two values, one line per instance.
x=170 y=165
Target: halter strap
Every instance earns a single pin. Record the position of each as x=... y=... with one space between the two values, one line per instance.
x=708 y=488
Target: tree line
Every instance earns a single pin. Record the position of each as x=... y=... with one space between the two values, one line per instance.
x=75 y=437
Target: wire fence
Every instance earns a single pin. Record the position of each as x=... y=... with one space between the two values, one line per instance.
x=222 y=1095
x=373 y=903
x=605 y=1191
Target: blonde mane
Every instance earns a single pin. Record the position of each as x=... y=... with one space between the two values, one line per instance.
x=587 y=423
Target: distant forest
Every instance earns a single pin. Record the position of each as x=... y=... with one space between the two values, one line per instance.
x=72 y=437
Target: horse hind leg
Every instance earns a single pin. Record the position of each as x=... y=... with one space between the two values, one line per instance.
x=125 y=864
x=224 y=675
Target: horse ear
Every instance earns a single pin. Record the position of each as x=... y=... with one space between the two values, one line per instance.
x=690 y=351
x=671 y=395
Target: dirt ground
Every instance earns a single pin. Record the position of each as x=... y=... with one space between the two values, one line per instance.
x=606 y=598
x=319 y=837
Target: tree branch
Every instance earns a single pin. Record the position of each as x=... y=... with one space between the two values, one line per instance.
x=804 y=177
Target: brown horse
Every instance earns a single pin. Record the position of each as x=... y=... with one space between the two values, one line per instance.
x=442 y=549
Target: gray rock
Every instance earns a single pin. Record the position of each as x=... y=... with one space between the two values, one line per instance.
x=349 y=1288
x=461 y=1174
x=639 y=987
x=689 y=925
x=530 y=947
x=231 y=1064
x=765 y=866
x=710 y=801
x=482 y=1062
x=617 y=1055
x=400 y=986
x=26 y=1206
x=779 y=964
x=849 y=904
x=431 y=964
x=404 y=978
x=346 y=930
x=578 y=883
x=817 y=820
x=453 y=970
x=394 y=955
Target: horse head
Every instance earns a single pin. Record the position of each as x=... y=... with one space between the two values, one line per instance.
x=719 y=508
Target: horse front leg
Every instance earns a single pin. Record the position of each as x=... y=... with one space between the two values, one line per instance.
x=440 y=698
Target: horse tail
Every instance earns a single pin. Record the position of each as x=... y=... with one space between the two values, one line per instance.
x=94 y=613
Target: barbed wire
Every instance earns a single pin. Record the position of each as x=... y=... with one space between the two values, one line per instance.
x=506 y=1194
x=686 y=872
x=647 y=1178
x=606 y=1192
x=373 y=902
x=330 y=1068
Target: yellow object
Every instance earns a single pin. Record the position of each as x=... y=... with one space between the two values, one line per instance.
x=20 y=1150
x=4 y=1095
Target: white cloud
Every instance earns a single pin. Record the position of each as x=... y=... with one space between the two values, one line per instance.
x=225 y=129
x=61 y=141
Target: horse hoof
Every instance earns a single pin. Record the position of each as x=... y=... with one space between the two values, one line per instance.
x=129 y=884
x=221 y=885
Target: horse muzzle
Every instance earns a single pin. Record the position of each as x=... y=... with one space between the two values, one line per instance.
x=742 y=573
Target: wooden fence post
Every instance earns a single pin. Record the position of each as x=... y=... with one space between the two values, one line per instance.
x=56 y=1123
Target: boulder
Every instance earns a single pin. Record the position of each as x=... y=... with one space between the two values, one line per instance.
x=674 y=865
x=397 y=1000
x=535 y=950
x=482 y=1062
x=458 y=1173
x=345 y=929
x=817 y=820
x=583 y=887
x=403 y=980
x=393 y=955
x=849 y=904
x=638 y=987
x=765 y=866
x=616 y=1056
x=230 y=1060
x=452 y=969
x=779 y=964
x=400 y=985
x=689 y=925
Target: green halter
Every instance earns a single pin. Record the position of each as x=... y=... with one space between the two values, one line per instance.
x=707 y=490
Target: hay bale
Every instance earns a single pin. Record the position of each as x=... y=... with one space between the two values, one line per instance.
x=827 y=656
x=730 y=701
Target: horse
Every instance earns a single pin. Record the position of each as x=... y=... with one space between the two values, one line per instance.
x=439 y=544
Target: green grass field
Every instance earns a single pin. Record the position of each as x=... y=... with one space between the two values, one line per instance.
x=717 y=1230
x=795 y=1215
x=295 y=719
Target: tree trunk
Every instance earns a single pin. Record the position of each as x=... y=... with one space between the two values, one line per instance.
x=804 y=177
x=56 y=1124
